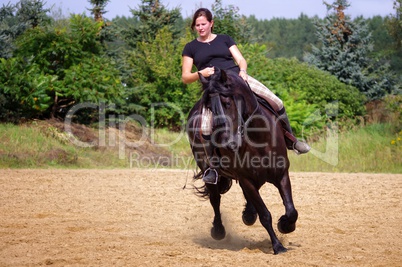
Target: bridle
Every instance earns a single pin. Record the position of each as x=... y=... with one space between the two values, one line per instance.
x=222 y=119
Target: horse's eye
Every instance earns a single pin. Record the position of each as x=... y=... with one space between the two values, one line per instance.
x=227 y=104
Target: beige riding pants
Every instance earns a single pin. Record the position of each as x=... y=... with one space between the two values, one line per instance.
x=256 y=87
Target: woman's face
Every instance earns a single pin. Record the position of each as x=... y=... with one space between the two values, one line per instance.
x=203 y=26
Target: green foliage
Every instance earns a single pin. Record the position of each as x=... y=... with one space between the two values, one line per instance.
x=295 y=37
x=357 y=151
x=306 y=91
x=8 y=30
x=86 y=33
x=285 y=37
x=92 y=80
x=135 y=63
x=380 y=37
x=319 y=87
x=54 y=69
x=394 y=24
x=39 y=145
x=152 y=17
x=98 y=8
x=165 y=98
x=25 y=91
x=15 y=19
x=393 y=109
x=227 y=20
x=344 y=53
x=394 y=28
x=32 y=12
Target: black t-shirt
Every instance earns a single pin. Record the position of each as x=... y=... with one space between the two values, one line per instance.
x=215 y=53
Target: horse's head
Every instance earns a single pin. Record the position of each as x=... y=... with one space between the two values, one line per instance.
x=226 y=95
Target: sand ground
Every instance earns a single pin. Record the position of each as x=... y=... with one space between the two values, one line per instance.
x=137 y=217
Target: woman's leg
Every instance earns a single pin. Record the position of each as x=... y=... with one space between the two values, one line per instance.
x=277 y=104
x=292 y=142
x=210 y=175
x=263 y=91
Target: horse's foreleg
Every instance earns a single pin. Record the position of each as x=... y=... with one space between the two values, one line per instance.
x=249 y=215
x=252 y=194
x=287 y=223
x=218 y=230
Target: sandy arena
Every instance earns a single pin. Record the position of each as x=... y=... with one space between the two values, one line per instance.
x=138 y=217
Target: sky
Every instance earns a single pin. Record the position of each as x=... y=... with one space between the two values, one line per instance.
x=261 y=9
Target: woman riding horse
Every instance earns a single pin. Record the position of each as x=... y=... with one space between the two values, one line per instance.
x=211 y=50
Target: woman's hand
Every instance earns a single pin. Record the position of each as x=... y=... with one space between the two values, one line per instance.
x=243 y=74
x=207 y=71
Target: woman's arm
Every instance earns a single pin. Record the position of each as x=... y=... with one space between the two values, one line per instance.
x=241 y=62
x=189 y=77
x=186 y=75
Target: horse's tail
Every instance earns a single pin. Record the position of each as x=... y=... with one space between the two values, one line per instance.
x=224 y=184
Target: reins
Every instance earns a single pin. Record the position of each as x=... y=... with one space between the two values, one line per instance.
x=243 y=124
x=217 y=109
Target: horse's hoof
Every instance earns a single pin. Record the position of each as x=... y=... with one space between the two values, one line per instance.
x=249 y=218
x=284 y=226
x=280 y=249
x=218 y=233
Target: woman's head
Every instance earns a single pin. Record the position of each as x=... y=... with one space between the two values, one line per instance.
x=201 y=12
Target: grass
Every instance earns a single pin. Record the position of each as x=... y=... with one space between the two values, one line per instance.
x=38 y=146
x=367 y=149
x=375 y=148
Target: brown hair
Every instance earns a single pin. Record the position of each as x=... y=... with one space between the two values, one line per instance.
x=201 y=12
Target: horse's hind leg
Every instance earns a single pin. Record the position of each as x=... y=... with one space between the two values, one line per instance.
x=287 y=223
x=218 y=230
x=252 y=195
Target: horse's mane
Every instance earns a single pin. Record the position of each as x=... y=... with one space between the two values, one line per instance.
x=222 y=82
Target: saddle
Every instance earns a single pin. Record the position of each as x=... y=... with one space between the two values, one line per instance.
x=290 y=138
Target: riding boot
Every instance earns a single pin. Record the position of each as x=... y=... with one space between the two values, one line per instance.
x=210 y=175
x=291 y=141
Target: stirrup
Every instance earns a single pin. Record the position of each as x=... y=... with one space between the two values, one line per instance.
x=210 y=181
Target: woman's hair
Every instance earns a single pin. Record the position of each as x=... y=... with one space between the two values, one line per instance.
x=201 y=12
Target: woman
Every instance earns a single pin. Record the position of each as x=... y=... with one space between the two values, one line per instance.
x=211 y=50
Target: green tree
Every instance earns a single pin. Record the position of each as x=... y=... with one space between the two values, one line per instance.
x=345 y=51
x=9 y=29
x=394 y=24
x=152 y=17
x=394 y=27
x=16 y=19
x=227 y=20
x=54 y=69
x=286 y=37
x=98 y=8
x=157 y=81
x=25 y=90
x=305 y=90
x=32 y=12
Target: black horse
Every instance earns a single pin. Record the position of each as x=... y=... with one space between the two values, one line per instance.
x=250 y=145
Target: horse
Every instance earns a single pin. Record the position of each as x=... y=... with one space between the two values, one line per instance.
x=251 y=149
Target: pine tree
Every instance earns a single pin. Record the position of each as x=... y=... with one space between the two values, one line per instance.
x=98 y=8
x=152 y=17
x=345 y=50
x=15 y=19
x=9 y=29
x=32 y=12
